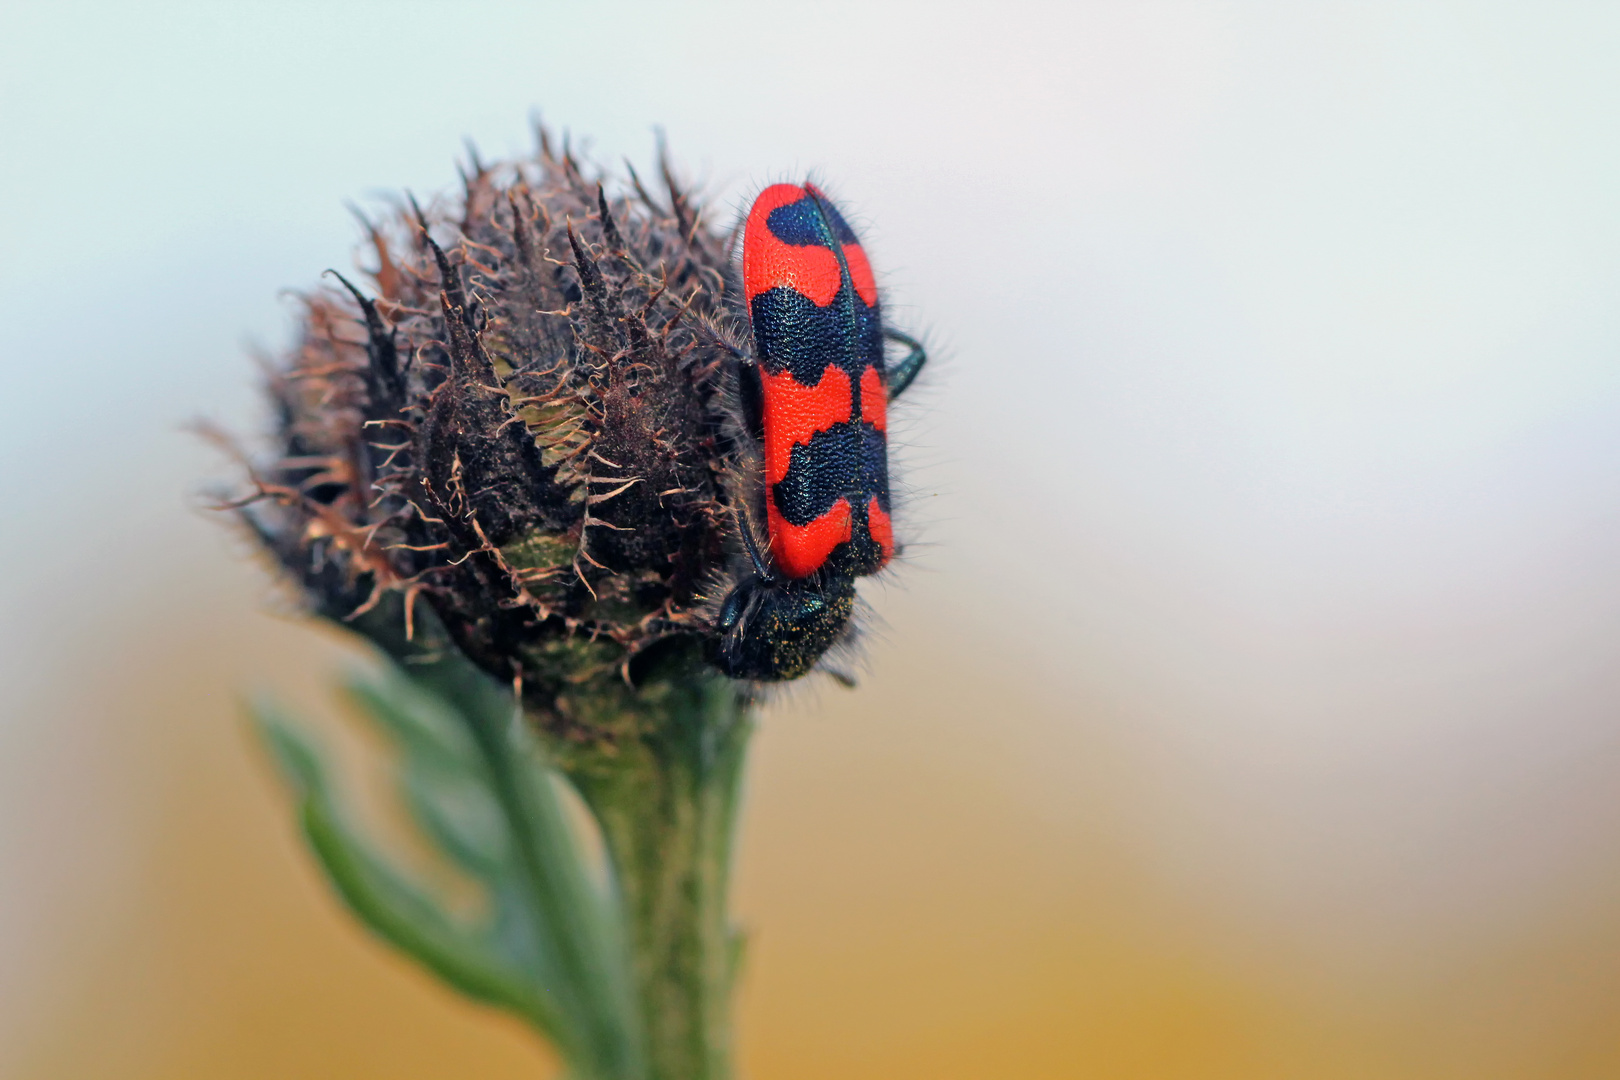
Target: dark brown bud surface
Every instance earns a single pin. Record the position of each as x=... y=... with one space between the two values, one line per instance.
x=520 y=421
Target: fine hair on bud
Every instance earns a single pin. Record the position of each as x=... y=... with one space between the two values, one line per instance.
x=519 y=417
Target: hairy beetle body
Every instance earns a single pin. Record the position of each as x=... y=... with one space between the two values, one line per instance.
x=816 y=394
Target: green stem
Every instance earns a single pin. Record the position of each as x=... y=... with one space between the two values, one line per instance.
x=667 y=800
x=664 y=790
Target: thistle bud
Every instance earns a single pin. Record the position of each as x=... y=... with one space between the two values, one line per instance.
x=520 y=425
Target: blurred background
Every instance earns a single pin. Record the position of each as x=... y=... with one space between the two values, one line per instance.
x=1250 y=705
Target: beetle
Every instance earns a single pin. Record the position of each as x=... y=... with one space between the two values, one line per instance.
x=815 y=397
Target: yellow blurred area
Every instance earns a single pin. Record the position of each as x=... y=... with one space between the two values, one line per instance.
x=919 y=906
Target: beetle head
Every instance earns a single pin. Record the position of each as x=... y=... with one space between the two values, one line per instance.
x=772 y=630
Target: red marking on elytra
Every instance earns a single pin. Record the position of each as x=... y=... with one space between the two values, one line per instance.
x=874 y=399
x=881 y=527
x=860 y=272
x=801 y=550
x=794 y=412
x=769 y=264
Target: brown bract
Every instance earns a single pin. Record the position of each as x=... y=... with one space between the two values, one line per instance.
x=521 y=421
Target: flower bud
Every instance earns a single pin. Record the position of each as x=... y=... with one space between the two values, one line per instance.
x=524 y=423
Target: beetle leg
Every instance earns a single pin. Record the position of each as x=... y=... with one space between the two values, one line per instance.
x=750 y=394
x=901 y=374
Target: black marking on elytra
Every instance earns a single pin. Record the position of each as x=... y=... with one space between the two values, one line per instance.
x=798 y=223
x=793 y=334
x=812 y=221
x=847 y=461
x=835 y=220
x=861 y=554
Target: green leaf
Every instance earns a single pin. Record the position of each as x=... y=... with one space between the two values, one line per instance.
x=298 y=761
x=422 y=722
x=460 y=816
x=442 y=778
x=402 y=913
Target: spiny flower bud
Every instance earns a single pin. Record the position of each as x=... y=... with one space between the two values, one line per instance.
x=525 y=422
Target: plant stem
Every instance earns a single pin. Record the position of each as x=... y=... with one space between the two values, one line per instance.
x=666 y=801
x=665 y=794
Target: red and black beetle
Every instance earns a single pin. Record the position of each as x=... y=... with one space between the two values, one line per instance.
x=816 y=398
